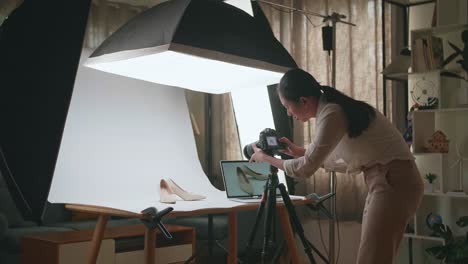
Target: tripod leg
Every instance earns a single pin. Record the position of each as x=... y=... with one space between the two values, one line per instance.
x=298 y=227
x=257 y=218
x=249 y=252
x=269 y=214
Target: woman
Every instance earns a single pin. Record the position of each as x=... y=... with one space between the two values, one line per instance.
x=351 y=136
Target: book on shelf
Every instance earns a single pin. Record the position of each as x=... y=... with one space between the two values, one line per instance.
x=436 y=52
x=418 y=62
x=428 y=54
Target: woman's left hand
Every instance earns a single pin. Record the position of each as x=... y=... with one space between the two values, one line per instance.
x=258 y=155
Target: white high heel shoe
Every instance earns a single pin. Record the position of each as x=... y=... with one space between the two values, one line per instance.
x=186 y=196
x=166 y=195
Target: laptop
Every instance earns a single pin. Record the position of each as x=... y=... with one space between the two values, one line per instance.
x=244 y=181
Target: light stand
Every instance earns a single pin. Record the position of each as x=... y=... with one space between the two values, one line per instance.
x=334 y=18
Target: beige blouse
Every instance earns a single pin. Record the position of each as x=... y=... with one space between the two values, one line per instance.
x=380 y=143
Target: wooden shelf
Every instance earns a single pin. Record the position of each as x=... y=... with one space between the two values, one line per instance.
x=446 y=195
x=399 y=76
x=438 y=239
x=457 y=70
x=455 y=109
x=441 y=29
x=403 y=76
x=421 y=237
x=428 y=153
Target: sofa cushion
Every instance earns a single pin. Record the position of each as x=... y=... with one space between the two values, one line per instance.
x=11 y=241
x=83 y=225
x=8 y=207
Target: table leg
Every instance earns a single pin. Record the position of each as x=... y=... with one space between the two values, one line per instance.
x=97 y=238
x=150 y=244
x=288 y=234
x=232 y=257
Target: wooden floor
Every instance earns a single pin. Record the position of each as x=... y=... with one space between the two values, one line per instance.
x=221 y=258
x=210 y=260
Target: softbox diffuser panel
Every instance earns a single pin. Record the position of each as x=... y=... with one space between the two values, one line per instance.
x=182 y=70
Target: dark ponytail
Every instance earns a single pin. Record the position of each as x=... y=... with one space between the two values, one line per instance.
x=297 y=83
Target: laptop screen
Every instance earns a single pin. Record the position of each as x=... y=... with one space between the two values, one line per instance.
x=244 y=179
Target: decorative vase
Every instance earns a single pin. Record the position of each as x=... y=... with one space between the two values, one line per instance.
x=428 y=187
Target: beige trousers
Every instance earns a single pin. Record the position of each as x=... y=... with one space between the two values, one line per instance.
x=395 y=191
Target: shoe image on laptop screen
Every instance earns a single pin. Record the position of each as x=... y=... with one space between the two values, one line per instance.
x=245 y=181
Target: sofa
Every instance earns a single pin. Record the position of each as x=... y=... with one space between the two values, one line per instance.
x=56 y=219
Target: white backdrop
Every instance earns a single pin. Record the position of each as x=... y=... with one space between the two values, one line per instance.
x=121 y=137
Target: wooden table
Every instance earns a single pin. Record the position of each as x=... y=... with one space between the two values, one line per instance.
x=150 y=235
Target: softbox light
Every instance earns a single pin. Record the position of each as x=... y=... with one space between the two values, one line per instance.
x=203 y=45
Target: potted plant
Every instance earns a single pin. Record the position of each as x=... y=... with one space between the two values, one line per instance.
x=455 y=250
x=430 y=178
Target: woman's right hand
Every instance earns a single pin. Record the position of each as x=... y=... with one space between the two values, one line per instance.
x=292 y=149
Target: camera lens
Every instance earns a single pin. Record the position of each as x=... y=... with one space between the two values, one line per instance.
x=248 y=151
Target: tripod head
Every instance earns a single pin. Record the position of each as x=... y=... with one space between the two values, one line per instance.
x=273 y=170
x=153 y=219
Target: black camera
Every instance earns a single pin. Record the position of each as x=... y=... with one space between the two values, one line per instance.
x=268 y=142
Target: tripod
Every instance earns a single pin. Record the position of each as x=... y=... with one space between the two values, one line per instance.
x=269 y=200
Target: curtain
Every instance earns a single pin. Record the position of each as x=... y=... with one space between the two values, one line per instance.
x=216 y=134
x=105 y=18
x=359 y=52
x=224 y=136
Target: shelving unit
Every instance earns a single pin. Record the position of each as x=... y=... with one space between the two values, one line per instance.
x=449 y=115
x=403 y=76
x=451 y=119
